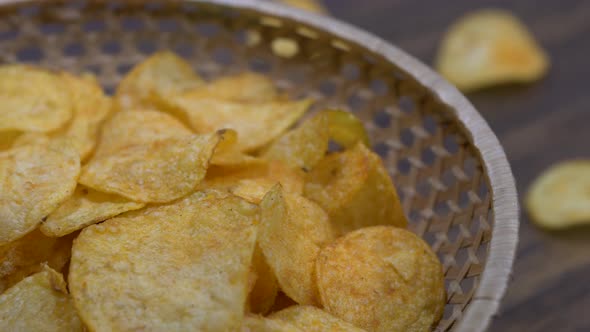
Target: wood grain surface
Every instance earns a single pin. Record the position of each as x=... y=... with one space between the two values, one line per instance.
x=538 y=124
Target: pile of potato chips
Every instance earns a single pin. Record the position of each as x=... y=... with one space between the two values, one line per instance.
x=180 y=204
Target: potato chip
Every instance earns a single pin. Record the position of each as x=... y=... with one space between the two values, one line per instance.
x=27 y=255
x=257 y=124
x=84 y=208
x=127 y=129
x=245 y=87
x=227 y=152
x=265 y=287
x=559 y=197
x=291 y=233
x=355 y=189
x=91 y=107
x=160 y=74
x=490 y=47
x=313 y=6
x=35 y=180
x=382 y=278
x=254 y=181
x=32 y=100
x=152 y=173
x=312 y=319
x=182 y=266
x=304 y=146
x=254 y=323
x=346 y=129
x=39 y=303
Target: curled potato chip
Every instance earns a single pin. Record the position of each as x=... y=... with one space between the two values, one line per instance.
x=312 y=319
x=346 y=129
x=39 y=303
x=559 y=197
x=291 y=233
x=35 y=179
x=265 y=287
x=127 y=129
x=158 y=172
x=304 y=146
x=382 y=278
x=252 y=182
x=160 y=74
x=313 y=6
x=32 y=100
x=355 y=189
x=227 y=152
x=490 y=47
x=90 y=106
x=27 y=255
x=182 y=266
x=245 y=87
x=254 y=323
x=85 y=207
x=257 y=124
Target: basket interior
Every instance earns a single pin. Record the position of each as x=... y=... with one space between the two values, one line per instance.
x=438 y=173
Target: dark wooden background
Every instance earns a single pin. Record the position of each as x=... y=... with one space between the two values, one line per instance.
x=538 y=125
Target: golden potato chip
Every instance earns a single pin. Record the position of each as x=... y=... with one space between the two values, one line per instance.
x=245 y=87
x=257 y=124
x=265 y=287
x=314 y=6
x=35 y=179
x=227 y=152
x=304 y=146
x=126 y=129
x=254 y=323
x=490 y=47
x=346 y=129
x=312 y=319
x=182 y=266
x=39 y=303
x=85 y=207
x=252 y=182
x=160 y=74
x=355 y=189
x=91 y=107
x=32 y=100
x=291 y=233
x=27 y=255
x=382 y=278
x=152 y=173
x=559 y=197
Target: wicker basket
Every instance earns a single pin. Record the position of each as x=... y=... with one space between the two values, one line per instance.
x=452 y=175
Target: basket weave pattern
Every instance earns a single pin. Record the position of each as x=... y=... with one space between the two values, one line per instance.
x=438 y=172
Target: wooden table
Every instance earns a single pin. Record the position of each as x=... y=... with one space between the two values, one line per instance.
x=538 y=125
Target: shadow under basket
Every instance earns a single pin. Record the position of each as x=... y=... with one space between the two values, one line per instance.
x=451 y=173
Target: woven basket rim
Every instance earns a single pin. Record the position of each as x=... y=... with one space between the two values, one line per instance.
x=498 y=266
